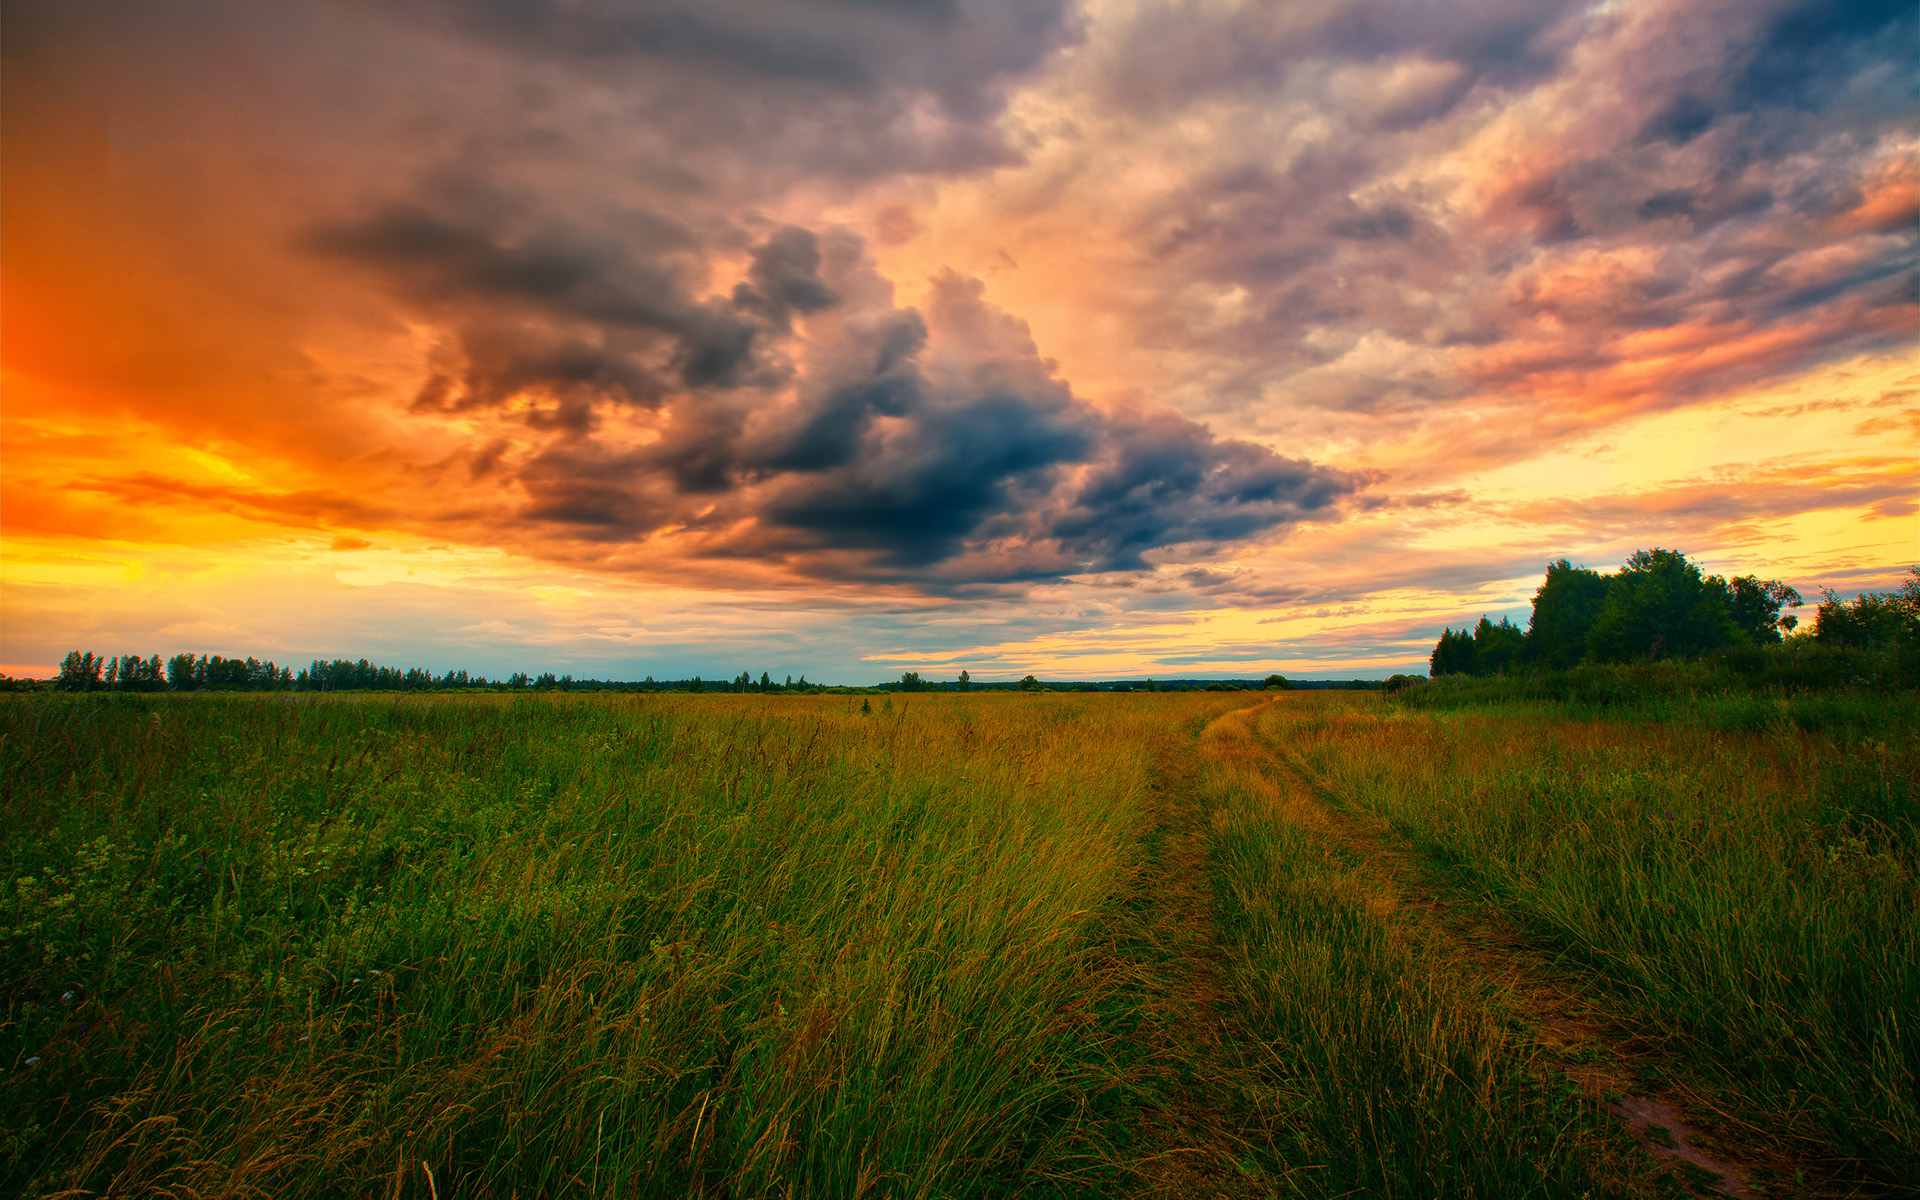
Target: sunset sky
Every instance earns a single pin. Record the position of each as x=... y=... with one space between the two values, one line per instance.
x=847 y=337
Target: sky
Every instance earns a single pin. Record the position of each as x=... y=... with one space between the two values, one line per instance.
x=851 y=337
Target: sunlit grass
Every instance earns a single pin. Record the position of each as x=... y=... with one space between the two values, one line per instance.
x=1378 y=1068
x=1746 y=898
x=626 y=946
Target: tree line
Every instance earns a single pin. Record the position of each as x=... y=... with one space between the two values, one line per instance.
x=1659 y=605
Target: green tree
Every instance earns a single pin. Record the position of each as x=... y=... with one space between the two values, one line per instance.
x=1029 y=684
x=1496 y=648
x=965 y=682
x=910 y=681
x=1564 y=611
x=1277 y=683
x=1659 y=606
x=1452 y=654
x=1756 y=605
x=181 y=675
x=1870 y=619
x=79 y=672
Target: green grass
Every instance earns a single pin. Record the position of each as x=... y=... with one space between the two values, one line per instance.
x=1799 y=687
x=778 y=946
x=626 y=946
x=1374 y=1065
x=1747 y=900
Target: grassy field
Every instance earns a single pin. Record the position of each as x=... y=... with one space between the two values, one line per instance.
x=924 y=945
x=1744 y=898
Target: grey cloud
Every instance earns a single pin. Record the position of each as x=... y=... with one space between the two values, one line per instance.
x=544 y=302
x=1708 y=175
x=1170 y=55
x=1164 y=480
x=806 y=419
x=957 y=50
x=803 y=88
x=785 y=278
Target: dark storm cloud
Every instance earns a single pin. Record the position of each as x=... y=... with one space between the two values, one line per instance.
x=894 y=448
x=463 y=254
x=785 y=278
x=1165 y=480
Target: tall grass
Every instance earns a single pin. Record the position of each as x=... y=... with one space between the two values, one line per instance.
x=1802 y=686
x=627 y=946
x=1381 y=1068
x=1748 y=898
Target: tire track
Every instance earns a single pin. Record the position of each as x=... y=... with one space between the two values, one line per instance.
x=1189 y=1142
x=1574 y=1040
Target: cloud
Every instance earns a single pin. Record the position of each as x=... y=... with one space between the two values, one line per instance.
x=798 y=418
x=822 y=87
x=1374 y=221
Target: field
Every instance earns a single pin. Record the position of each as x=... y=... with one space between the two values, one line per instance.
x=1305 y=944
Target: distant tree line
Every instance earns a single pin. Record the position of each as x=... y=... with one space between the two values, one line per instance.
x=88 y=672
x=1660 y=606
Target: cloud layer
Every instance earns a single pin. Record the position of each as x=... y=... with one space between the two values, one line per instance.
x=800 y=417
x=1196 y=307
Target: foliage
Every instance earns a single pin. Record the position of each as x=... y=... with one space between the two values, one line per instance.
x=1873 y=619
x=1489 y=650
x=1564 y=611
x=1658 y=605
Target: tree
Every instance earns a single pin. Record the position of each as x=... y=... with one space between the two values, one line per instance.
x=1496 y=647
x=910 y=681
x=79 y=672
x=181 y=674
x=1756 y=606
x=1564 y=610
x=1870 y=619
x=1277 y=683
x=1029 y=684
x=1452 y=654
x=965 y=682
x=1659 y=606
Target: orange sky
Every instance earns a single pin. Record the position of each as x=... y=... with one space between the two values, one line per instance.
x=630 y=338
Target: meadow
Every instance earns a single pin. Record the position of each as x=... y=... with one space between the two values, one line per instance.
x=938 y=945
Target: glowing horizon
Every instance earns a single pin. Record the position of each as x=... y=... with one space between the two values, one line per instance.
x=1099 y=341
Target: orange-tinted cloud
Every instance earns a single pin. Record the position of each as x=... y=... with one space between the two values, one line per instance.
x=1230 y=307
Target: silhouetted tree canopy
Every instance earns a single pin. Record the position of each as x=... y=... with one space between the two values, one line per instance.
x=1658 y=605
x=1564 y=610
x=1871 y=619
